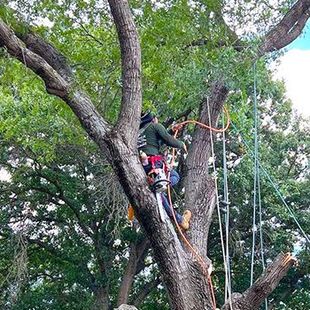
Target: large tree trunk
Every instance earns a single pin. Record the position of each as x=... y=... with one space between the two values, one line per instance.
x=199 y=185
x=187 y=286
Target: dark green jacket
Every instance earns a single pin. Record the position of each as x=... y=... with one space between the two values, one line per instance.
x=156 y=135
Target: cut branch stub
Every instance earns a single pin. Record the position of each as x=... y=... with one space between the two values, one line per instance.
x=252 y=298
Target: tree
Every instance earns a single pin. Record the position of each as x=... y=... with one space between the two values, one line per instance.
x=186 y=282
x=68 y=212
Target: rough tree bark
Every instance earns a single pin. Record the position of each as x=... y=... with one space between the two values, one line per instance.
x=186 y=284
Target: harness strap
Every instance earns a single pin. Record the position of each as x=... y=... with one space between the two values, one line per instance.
x=157 y=158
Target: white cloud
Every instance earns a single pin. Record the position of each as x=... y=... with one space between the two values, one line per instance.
x=294 y=69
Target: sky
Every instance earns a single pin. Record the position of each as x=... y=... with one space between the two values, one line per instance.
x=294 y=69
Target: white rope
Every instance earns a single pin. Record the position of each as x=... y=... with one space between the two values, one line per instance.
x=217 y=198
x=228 y=288
x=256 y=190
x=254 y=228
x=261 y=227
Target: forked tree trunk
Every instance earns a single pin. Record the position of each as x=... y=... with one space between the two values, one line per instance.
x=187 y=286
x=186 y=283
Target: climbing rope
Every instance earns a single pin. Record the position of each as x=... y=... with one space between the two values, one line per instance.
x=275 y=187
x=178 y=126
x=218 y=200
x=227 y=218
x=199 y=258
x=257 y=192
x=256 y=175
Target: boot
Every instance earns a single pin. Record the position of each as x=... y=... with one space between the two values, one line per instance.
x=186 y=218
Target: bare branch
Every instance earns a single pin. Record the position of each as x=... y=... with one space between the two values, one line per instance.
x=48 y=52
x=88 y=34
x=55 y=84
x=137 y=249
x=69 y=202
x=147 y=289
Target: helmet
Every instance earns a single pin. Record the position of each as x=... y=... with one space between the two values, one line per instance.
x=146 y=118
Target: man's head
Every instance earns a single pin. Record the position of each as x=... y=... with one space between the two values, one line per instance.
x=147 y=118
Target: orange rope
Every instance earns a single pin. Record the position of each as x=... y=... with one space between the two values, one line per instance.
x=180 y=125
x=192 y=250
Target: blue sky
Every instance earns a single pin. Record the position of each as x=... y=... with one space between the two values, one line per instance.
x=294 y=70
x=303 y=41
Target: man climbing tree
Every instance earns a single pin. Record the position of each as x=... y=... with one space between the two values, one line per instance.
x=153 y=136
x=186 y=281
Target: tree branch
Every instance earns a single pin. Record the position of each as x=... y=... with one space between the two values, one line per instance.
x=137 y=249
x=129 y=117
x=70 y=203
x=55 y=84
x=87 y=33
x=288 y=29
x=62 y=257
x=183 y=114
x=52 y=56
x=146 y=290
x=252 y=298
x=78 y=101
x=231 y=37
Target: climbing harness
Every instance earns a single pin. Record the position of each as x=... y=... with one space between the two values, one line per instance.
x=156 y=169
